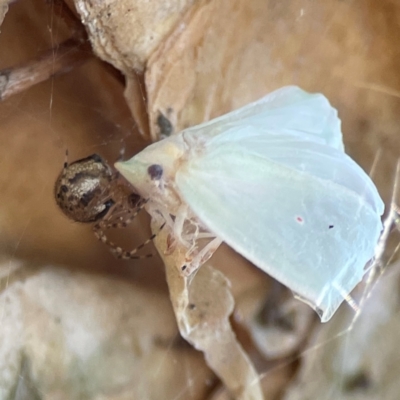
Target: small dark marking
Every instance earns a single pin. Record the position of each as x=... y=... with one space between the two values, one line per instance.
x=77 y=177
x=94 y=157
x=319 y=311
x=364 y=125
x=165 y=125
x=331 y=226
x=64 y=188
x=357 y=382
x=286 y=322
x=86 y=198
x=114 y=225
x=155 y=171
x=184 y=267
x=134 y=199
x=107 y=205
x=192 y=306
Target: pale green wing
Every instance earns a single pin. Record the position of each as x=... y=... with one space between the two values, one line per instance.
x=303 y=212
x=289 y=110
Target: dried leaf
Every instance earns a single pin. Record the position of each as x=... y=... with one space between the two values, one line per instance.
x=3 y=9
x=273 y=383
x=125 y=33
x=202 y=305
x=278 y=324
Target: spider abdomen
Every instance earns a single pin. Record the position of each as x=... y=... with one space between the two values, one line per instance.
x=82 y=189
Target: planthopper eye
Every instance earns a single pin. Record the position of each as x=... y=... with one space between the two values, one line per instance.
x=155 y=171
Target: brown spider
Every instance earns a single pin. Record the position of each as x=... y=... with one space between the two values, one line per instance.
x=88 y=190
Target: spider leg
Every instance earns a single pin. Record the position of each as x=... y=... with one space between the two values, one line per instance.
x=66 y=160
x=117 y=219
x=120 y=216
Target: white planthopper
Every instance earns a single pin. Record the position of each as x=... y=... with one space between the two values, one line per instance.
x=271 y=180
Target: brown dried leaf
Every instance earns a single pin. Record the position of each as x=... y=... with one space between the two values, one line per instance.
x=125 y=33
x=202 y=305
x=3 y=9
x=278 y=327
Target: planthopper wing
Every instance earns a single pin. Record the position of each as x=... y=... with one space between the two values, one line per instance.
x=290 y=202
x=289 y=110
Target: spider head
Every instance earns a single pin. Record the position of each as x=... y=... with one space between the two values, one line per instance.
x=83 y=189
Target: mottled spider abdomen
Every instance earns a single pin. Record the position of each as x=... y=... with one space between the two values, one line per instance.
x=88 y=190
x=82 y=189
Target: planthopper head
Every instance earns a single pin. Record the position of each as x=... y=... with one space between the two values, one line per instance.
x=152 y=171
